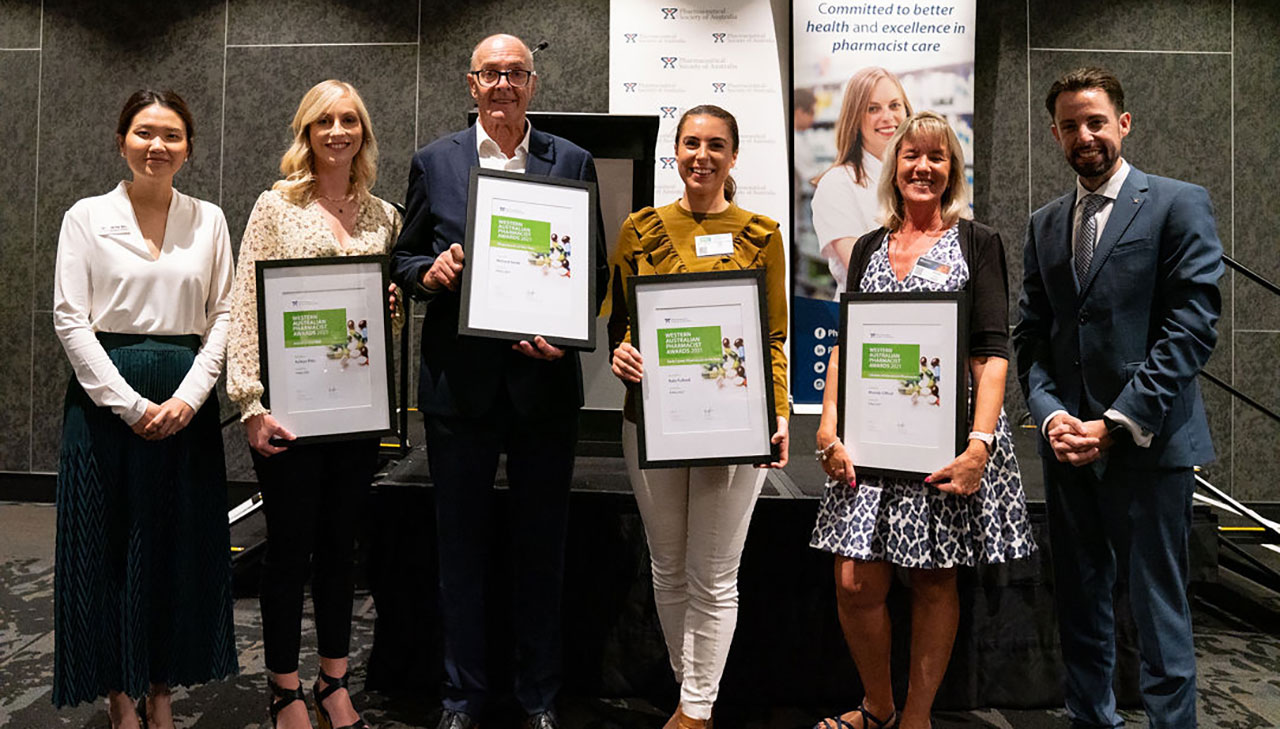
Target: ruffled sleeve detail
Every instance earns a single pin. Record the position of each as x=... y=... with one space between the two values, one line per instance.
x=656 y=243
x=750 y=242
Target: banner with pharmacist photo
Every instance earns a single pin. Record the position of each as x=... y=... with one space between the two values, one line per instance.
x=859 y=68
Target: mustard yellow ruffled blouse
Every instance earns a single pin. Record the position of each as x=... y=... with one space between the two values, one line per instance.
x=661 y=241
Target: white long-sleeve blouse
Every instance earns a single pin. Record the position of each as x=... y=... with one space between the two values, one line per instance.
x=106 y=280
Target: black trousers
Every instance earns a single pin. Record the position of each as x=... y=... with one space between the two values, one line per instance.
x=463 y=454
x=313 y=497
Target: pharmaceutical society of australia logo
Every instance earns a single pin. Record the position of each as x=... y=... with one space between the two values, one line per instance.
x=668 y=163
x=717 y=87
x=669 y=61
x=630 y=86
x=631 y=37
x=670 y=13
x=668 y=112
x=717 y=37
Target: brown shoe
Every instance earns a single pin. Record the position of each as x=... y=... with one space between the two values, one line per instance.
x=686 y=722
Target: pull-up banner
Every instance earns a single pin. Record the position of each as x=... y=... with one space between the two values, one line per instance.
x=859 y=68
x=666 y=56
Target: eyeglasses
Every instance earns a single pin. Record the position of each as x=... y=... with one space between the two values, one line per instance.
x=517 y=77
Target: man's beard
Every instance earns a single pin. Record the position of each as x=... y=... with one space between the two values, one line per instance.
x=1097 y=166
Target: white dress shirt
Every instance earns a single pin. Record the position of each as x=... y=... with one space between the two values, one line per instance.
x=106 y=280
x=491 y=156
x=1109 y=190
x=844 y=209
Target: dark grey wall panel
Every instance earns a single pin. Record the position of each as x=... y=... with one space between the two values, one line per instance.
x=573 y=72
x=19 y=23
x=1257 y=157
x=264 y=86
x=1178 y=25
x=322 y=21
x=48 y=388
x=18 y=89
x=1257 y=437
x=95 y=55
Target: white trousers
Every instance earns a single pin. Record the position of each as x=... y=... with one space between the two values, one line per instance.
x=696 y=522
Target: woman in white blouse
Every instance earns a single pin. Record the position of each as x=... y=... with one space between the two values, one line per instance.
x=312 y=494
x=844 y=197
x=142 y=593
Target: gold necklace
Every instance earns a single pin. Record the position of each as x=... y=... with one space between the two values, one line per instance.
x=338 y=202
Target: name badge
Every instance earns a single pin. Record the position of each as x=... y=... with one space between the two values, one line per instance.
x=116 y=229
x=931 y=270
x=720 y=244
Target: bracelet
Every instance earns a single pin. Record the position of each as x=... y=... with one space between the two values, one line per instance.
x=822 y=454
x=988 y=439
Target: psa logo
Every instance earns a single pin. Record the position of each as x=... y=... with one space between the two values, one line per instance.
x=669 y=61
x=668 y=112
x=631 y=37
x=668 y=163
x=669 y=13
x=717 y=37
x=717 y=87
x=630 y=86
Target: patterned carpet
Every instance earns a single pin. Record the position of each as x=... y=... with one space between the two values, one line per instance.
x=1239 y=663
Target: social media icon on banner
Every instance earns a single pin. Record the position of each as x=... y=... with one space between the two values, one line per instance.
x=819 y=385
x=819 y=366
x=820 y=350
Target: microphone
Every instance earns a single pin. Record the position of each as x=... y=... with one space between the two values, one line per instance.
x=540 y=47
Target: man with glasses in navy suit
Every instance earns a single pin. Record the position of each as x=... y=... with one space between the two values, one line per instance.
x=482 y=397
x=1118 y=311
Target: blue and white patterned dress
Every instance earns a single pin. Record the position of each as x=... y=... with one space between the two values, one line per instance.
x=910 y=523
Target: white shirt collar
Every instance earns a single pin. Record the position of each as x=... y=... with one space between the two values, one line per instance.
x=487 y=148
x=1109 y=189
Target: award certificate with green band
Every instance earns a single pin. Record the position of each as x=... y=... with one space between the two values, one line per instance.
x=323 y=333
x=706 y=397
x=903 y=372
x=528 y=265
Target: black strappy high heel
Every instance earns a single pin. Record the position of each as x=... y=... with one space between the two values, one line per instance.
x=282 y=697
x=331 y=685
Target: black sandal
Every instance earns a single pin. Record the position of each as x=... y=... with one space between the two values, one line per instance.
x=869 y=721
x=331 y=685
x=282 y=697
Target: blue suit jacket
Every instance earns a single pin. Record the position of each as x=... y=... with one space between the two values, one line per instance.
x=463 y=375
x=1135 y=333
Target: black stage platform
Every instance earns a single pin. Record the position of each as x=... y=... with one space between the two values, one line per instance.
x=788 y=649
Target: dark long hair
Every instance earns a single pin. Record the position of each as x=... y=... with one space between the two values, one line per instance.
x=142 y=98
x=730 y=187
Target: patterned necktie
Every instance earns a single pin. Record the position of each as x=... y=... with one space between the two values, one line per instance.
x=1086 y=233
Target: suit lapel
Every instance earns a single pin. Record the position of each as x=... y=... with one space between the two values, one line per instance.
x=1133 y=193
x=542 y=153
x=1055 y=251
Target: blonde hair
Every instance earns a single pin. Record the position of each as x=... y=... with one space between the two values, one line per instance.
x=298 y=163
x=924 y=126
x=857 y=97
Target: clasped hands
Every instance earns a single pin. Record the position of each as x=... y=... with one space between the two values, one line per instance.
x=963 y=476
x=1076 y=441
x=628 y=366
x=161 y=421
x=445 y=273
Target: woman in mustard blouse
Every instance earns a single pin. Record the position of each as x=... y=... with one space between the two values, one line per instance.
x=695 y=571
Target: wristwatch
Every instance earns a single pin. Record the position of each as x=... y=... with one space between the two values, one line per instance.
x=988 y=439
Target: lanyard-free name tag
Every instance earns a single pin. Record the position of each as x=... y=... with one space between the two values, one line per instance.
x=116 y=229
x=720 y=244
x=931 y=270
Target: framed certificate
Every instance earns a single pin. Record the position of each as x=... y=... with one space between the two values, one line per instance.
x=323 y=334
x=529 y=267
x=706 y=397
x=904 y=360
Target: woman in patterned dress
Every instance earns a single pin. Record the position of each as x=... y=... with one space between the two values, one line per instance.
x=969 y=512
x=142 y=592
x=311 y=494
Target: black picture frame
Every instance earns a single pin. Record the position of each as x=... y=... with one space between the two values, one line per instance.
x=763 y=374
x=956 y=390
x=263 y=271
x=586 y=341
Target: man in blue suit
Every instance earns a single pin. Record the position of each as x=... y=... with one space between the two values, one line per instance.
x=482 y=397
x=1118 y=307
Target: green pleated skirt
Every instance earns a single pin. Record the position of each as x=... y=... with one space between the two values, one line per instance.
x=142 y=584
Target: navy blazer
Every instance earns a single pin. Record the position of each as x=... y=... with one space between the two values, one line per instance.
x=462 y=375
x=1136 y=332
